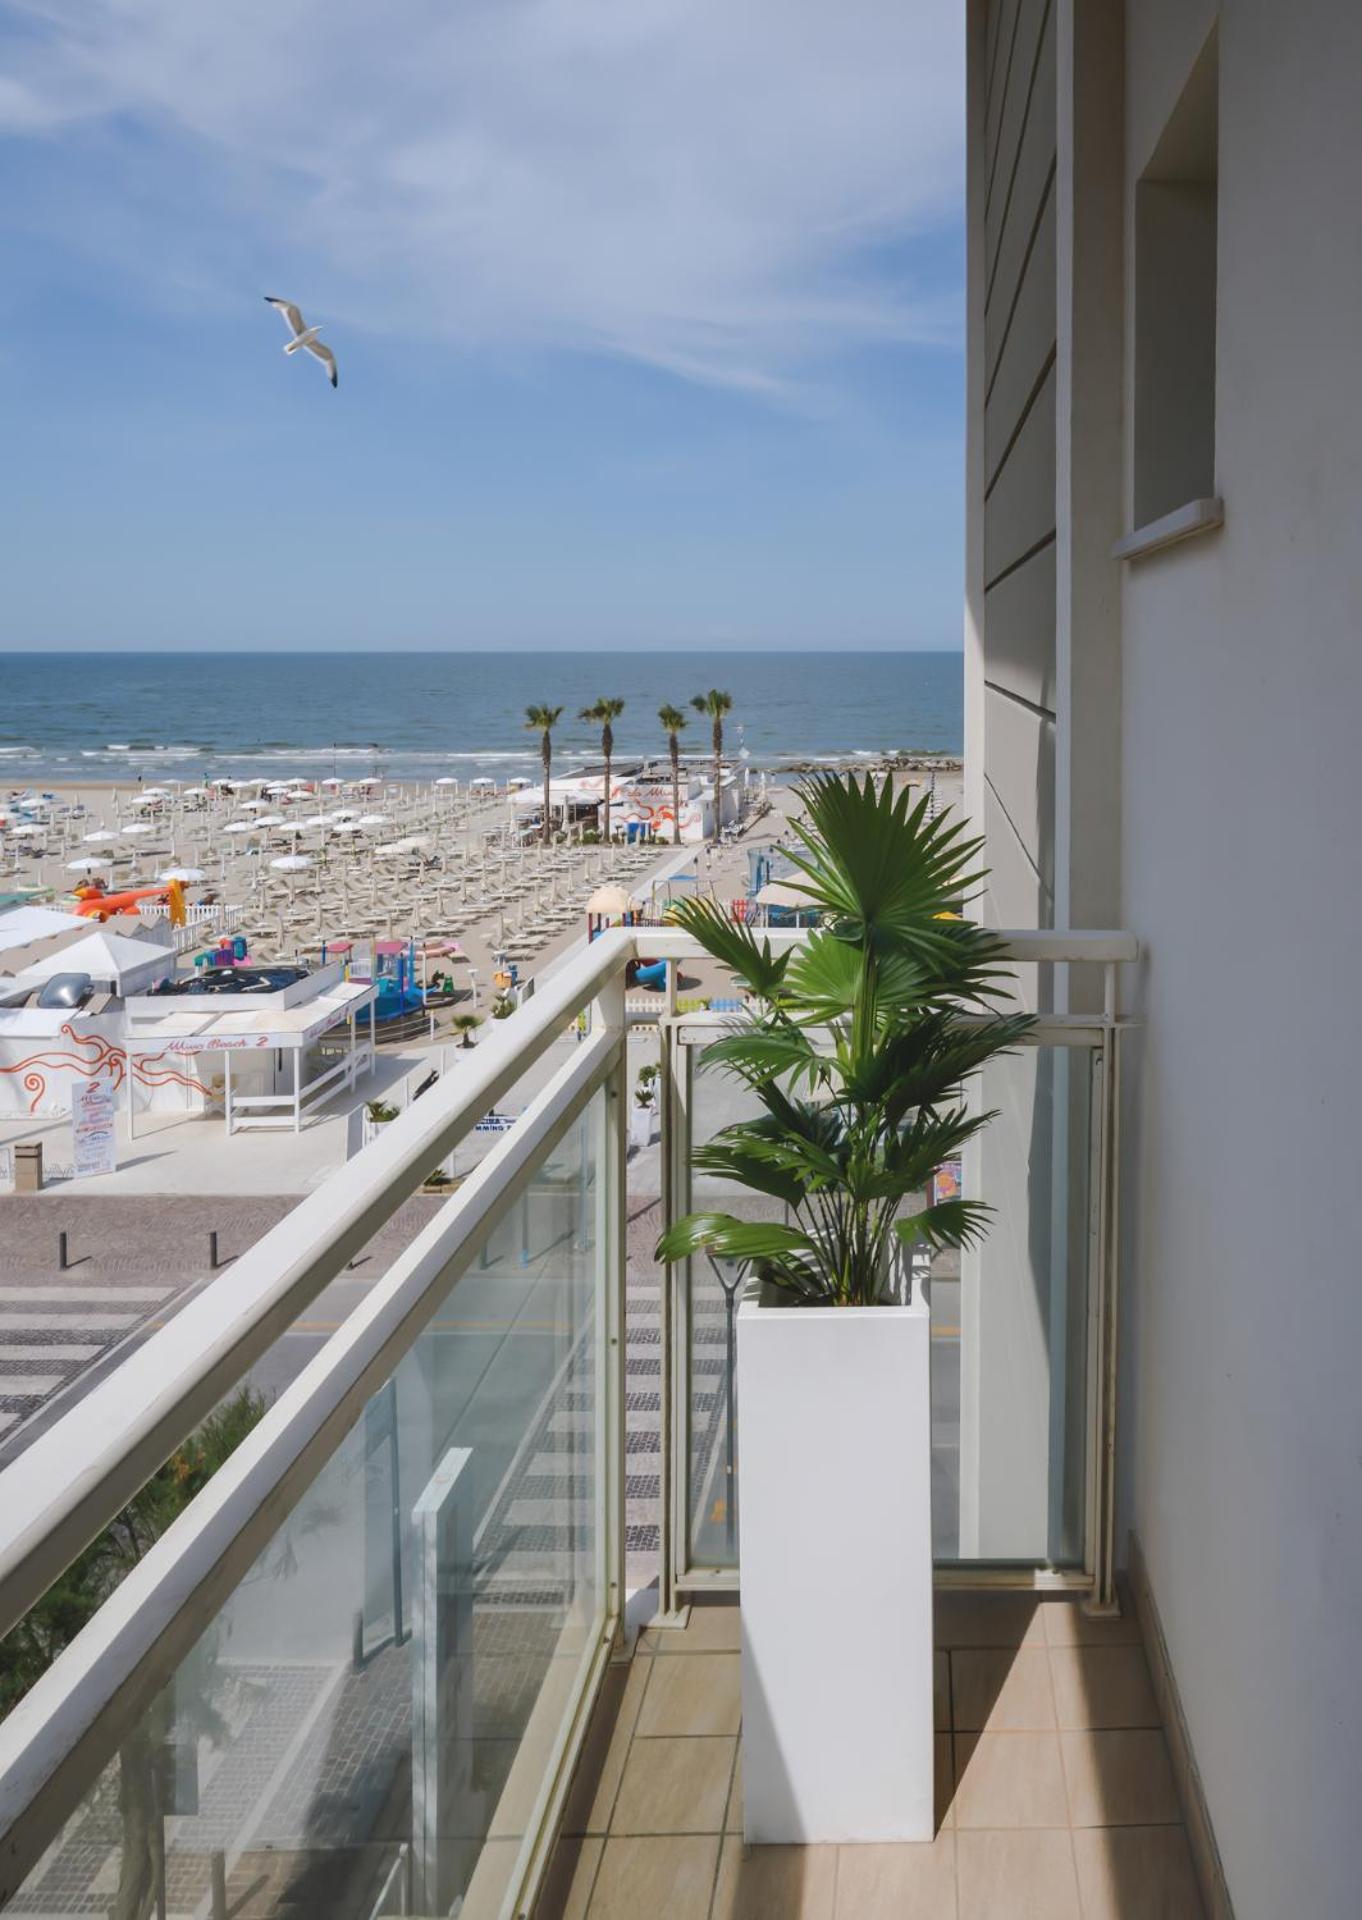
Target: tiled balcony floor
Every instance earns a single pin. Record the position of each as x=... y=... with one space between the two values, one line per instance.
x=1055 y=1795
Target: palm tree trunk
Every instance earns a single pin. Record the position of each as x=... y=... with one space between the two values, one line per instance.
x=606 y=833
x=676 y=792
x=718 y=775
x=548 y=762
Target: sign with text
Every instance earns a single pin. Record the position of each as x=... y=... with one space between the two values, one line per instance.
x=95 y=1149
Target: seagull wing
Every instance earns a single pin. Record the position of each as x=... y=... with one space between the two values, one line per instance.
x=293 y=319
x=320 y=351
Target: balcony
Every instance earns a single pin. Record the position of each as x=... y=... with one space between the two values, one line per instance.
x=388 y=1661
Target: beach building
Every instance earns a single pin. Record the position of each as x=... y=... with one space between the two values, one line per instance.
x=84 y=1005
x=389 y=1659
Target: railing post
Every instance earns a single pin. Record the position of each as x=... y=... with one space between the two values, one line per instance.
x=612 y=1241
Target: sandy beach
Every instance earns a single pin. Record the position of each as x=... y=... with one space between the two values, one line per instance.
x=442 y=866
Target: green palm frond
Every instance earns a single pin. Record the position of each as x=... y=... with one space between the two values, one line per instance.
x=950 y=1223
x=735 y=947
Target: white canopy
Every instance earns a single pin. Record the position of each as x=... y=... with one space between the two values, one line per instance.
x=112 y=960
x=19 y=925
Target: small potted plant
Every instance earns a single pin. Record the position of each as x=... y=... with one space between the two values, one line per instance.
x=641 y=1114
x=380 y=1112
x=858 y=1049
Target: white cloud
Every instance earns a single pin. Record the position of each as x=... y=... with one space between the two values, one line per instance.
x=721 y=187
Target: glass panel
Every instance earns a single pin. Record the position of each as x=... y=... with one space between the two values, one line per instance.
x=715 y=1101
x=1010 y=1325
x=364 y=1728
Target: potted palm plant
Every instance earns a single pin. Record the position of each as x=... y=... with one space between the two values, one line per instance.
x=858 y=1051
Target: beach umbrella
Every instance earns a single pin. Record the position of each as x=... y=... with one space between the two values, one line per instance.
x=269 y=820
x=292 y=862
x=348 y=826
x=28 y=832
x=88 y=863
x=289 y=827
x=610 y=900
x=446 y=780
x=375 y=820
x=255 y=806
x=138 y=827
x=187 y=876
x=101 y=835
x=239 y=826
x=320 y=820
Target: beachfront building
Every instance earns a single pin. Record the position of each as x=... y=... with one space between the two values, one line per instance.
x=383 y=1663
x=83 y=1005
x=640 y=803
x=1164 y=688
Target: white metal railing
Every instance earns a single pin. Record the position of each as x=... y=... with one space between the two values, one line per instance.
x=77 y=1476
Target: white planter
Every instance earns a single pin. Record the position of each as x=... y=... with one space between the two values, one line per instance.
x=835 y=1520
x=640 y=1126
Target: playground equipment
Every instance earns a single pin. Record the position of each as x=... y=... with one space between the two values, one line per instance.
x=395 y=980
x=93 y=903
x=651 y=974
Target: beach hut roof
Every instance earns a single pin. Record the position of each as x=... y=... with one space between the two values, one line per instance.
x=18 y=925
x=775 y=894
x=111 y=959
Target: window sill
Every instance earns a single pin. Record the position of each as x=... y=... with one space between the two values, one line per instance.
x=1198 y=516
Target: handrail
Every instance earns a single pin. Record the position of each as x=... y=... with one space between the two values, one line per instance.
x=74 y=1478
x=52 y=1743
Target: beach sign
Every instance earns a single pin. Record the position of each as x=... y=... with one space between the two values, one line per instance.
x=94 y=1146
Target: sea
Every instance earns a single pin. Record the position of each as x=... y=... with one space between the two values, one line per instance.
x=415 y=716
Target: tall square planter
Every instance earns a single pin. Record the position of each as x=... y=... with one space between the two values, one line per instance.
x=834 y=1474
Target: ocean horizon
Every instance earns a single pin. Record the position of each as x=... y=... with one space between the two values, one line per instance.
x=97 y=716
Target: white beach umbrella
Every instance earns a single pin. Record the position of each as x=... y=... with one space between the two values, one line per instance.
x=292 y=863
x=239 y=826
x=446 y=780
x=348 y=826
x=194 y=793
x=375 y=820
x=270 y=820
x=320 y=820
x=29 y=832
x=88 y=863
x=187 y=876
x=255 y=806
x=101 y=836
x=138 y=827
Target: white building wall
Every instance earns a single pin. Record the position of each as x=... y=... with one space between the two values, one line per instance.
x=1242 y=710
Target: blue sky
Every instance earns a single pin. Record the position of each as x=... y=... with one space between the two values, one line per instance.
x=648 y=319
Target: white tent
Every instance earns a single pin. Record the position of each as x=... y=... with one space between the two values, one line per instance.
x=19 y=925
x=114 y=961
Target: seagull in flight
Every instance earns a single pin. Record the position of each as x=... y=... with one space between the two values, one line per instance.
x=304 y=336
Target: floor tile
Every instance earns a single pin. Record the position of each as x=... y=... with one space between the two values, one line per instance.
x=1119 y=1779
x=1136 y=1873
x=567 y=1889
x=1067 y=1625
x=989 y=1620
x=711 y=1630
x=943 y=1761
x=897 y=1883
x=592 y=1794
x=733 y=1818
x=941 y=1692
x=1009 y=1780
x=775 y=1883
x=700 y=1694
x=674 y=1786
x=1002 y=1690
x=1016 y=1876
x=646 y=1879
x=1103 y=1687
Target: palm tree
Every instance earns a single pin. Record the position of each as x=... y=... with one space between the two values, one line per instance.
x=543 y=720
x=467 y=1025
x=714 y=705
x=673 y=722
x=862 y=1042
x=605 y=712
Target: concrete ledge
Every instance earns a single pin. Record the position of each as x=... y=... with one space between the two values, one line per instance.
x=1198 y=516
x=1210 y=1871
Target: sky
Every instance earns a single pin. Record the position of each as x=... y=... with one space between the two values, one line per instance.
x=648 y=316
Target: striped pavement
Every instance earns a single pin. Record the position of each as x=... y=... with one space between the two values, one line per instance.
x=50 y=1334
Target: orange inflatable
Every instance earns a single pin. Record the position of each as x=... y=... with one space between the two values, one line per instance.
x=92 y=903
